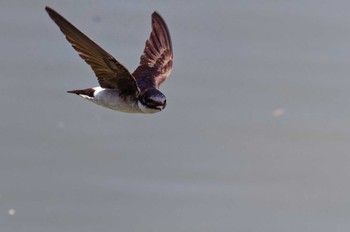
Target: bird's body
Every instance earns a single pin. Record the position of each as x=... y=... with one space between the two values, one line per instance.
x=110 y=98
x=119 y=89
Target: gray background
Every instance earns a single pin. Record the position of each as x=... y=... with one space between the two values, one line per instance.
x=216 y=159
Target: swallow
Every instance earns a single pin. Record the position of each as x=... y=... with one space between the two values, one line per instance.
x=120 y=90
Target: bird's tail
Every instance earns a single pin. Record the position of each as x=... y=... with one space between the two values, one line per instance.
x=85 y=93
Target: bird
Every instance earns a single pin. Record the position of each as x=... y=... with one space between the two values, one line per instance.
x=118 y=89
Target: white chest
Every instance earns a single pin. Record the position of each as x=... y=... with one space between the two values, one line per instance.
x=110 y=98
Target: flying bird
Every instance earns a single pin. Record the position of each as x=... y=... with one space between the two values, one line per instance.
x=120 y=90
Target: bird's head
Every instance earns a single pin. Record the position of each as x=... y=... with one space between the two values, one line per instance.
x=151 y=101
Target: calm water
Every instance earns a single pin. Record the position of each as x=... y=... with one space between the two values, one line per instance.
x=255 y=136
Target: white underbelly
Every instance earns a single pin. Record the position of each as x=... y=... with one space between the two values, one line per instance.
x=110 y=98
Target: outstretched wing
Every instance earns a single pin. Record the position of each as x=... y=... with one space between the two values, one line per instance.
x=156 y=61
x=110 y=73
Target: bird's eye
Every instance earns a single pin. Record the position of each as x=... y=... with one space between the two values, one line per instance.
x=146 y=99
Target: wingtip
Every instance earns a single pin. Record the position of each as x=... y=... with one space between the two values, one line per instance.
x=157 y=19
x=155 y=13
x=48 y=9
x=157 y=16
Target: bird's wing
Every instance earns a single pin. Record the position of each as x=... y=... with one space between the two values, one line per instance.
x=156 y=61
x=110 y=73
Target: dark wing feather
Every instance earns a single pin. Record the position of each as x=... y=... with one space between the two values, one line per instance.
x=156 y=61
x=110 y=73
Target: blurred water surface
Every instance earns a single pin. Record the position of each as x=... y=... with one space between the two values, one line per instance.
x=255 y=136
